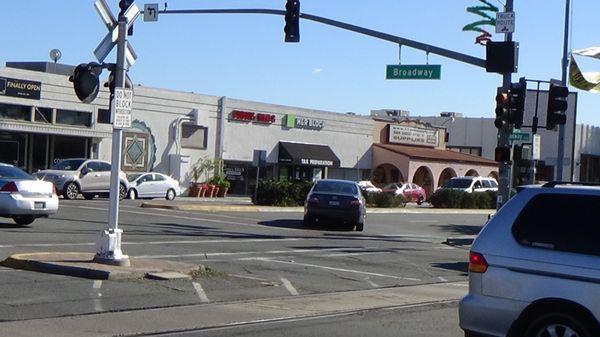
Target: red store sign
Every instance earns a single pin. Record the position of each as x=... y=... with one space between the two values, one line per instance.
x=246 y=116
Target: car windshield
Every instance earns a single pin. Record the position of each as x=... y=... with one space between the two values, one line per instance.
x=337 y=187
x=133 y=176
x=68 y=165
x=11 y=172
x=458 y=183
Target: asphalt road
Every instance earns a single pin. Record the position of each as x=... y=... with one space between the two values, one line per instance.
x=253 y=255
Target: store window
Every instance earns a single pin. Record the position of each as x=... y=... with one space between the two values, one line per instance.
x=16 y=112
x=66 y=147
x=72 y=117
x=42 y=115
x=193 y=136
x=103 y=116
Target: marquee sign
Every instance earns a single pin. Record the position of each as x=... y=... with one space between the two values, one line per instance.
x=20 y=88
x=410 y=135
x=246 y=116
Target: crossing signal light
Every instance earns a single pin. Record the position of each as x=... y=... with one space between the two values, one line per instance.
x=292 y=21
x=502 y=109
x=516 y=97
x=86 y=81
x=557 y=106
x=502 y=154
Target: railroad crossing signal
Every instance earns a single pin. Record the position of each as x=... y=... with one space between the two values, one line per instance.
x=110 y=40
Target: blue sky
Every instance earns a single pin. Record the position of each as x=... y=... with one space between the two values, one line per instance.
x=243 y=56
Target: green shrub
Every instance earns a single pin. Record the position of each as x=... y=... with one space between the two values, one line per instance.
x=384 y=200
x=447 y=198
x=281 y=193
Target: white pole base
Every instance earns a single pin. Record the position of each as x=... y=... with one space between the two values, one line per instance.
x=109 y=249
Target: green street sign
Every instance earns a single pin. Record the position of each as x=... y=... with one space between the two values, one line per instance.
x=413 y=72
x=519 y=136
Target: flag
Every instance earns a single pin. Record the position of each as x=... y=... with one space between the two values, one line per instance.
x=588 y=81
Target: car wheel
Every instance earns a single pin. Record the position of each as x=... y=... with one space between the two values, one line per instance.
x=88 y=196
x=309 y=221
x=133 y=194
x=360 y=226
x=122 y=191
x=420 y=201
x=71 y=191
x=559 y=325
x=170 y=194
x=23 y=220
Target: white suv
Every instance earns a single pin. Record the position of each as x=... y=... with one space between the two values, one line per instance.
x=534 y=270
x=472 y=184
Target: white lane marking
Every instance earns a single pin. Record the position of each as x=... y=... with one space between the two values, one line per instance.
x=97 y=284
x=171 y=216
x=339 y=269
x=371 y=283
x=353 y=254
x=288 y=285
x=423 y=221
x=286 y=251
x=191 y=212
x=442 y=279
x=150 y=242
x=200 y=292
x=97 y=295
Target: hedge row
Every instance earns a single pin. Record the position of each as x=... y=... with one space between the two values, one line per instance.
x=448 y=198
x=281 y=193
x=384 y=200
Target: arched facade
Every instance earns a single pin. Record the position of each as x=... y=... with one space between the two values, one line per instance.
x=472 y=173
x=424 y=178
x=386 y=173
x=446 y=174
x=494 y=174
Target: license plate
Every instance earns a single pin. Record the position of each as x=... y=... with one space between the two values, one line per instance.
x=334 y=203
x=39 y=205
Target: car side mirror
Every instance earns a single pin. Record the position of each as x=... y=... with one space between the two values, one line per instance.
x=139 y=182
x=86 y=170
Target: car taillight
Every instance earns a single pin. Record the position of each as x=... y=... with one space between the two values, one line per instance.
x=313 y=200
x=10 y=187
x=477 y=263
x=355 y=202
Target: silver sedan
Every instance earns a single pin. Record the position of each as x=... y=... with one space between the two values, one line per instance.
x=24 y=198
x=152 y=185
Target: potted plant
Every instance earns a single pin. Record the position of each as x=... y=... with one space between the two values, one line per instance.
x=224 y=185
x=214 y=182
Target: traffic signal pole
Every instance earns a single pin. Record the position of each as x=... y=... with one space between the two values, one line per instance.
x=109 y=248
x=504 y=168
x=561 y=128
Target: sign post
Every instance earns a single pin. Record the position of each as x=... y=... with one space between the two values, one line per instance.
x=109 y=247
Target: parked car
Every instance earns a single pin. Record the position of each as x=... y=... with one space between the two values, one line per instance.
x=410 y=192
x=89 y=177
x=331 y=199
x=472 y=184
x=24 y=198
x=152 y=185
x=534 y=268
x=368 y=187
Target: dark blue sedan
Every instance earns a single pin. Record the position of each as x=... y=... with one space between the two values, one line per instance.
x=338 y=200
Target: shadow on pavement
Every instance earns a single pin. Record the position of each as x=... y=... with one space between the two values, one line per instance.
x=460 y=229
x=299 y=224
x=455 y=266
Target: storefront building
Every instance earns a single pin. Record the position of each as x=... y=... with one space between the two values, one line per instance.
x=413 y=151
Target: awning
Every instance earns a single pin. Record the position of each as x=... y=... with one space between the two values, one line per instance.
x=307 y=154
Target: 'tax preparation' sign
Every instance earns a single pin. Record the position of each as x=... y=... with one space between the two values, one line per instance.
x=122 y=106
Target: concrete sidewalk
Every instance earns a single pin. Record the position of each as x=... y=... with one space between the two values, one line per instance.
x=242 y=205
x=198 y=317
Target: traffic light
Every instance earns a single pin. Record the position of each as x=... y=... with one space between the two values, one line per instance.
x=516 y=98
x=292 y=21
x=501 y=110
x=123 y=5
x=86 y=81
x=557 y=106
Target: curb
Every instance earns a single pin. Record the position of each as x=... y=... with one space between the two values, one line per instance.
x=273 y=209
x=16 y=262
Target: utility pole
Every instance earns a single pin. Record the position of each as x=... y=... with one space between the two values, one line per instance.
x=504 y=168
x=561 y=128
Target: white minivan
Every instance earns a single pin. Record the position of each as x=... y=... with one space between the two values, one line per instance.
x=472 y=184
